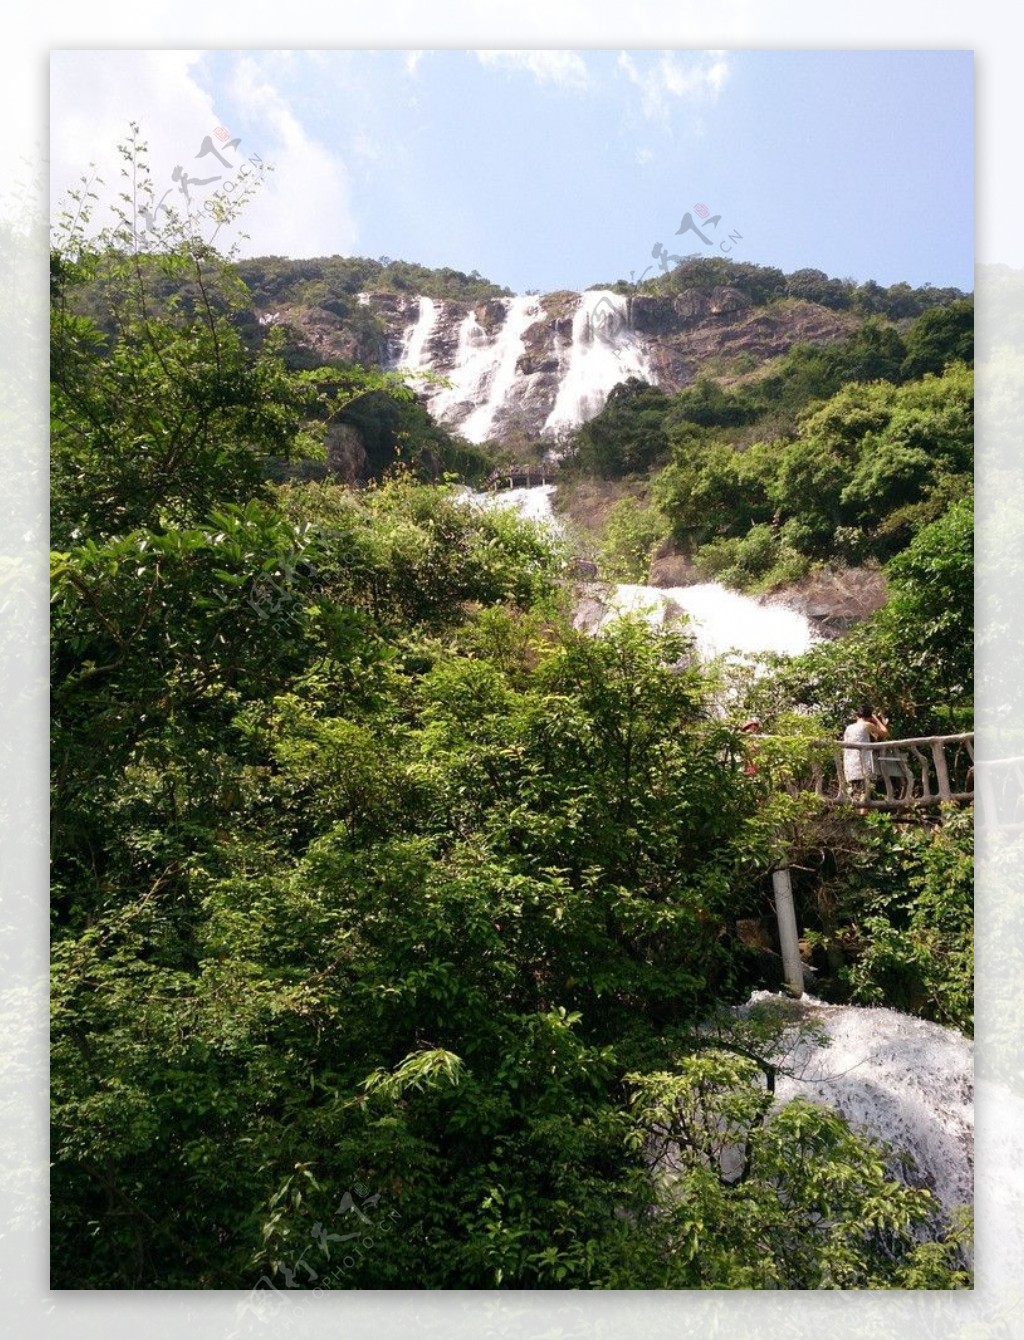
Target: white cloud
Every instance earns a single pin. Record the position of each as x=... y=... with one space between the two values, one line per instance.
x=94 y=95
x=412 y=60
x=672 y=78
x=367 y=148
x=566 y=68
x=302 y=209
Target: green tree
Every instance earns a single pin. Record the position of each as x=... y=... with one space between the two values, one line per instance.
x=708 y=489
x=160 y=407
x=871 y=458
x=372 y=876
x=631 y=534
x=627 y=437
x=910 y=905
x=940 y=336
x=752 y=1198
x=915 y=656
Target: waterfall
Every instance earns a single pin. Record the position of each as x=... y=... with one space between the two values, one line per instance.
x=534 y=504
x=414 y=345
x=498 y=380
x=900 y=1079
x=485 y=369
x=721 y=621
x=603 y=352
x=500 y=377
x=469 y=376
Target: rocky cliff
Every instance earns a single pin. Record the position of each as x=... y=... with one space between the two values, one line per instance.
x=533 y=365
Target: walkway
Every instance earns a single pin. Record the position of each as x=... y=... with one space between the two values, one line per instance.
x=519 y=477
x=910 y=774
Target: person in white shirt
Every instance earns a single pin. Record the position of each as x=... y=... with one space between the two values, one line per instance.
x=860 y=765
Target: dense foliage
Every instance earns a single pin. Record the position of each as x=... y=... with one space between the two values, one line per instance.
x=764 y=284
x=334 y=282
x=835 y=454
x=911 y=904
x=388 y=908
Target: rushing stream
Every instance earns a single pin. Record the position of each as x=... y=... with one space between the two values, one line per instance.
x=721 y=621
x=901 y=1079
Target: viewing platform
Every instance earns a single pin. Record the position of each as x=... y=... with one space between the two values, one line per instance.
x=913 y=774
x=516 y=477
x=910 y=778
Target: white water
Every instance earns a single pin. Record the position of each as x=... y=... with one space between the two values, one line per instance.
x=603 y=352
x=500 y=375
x=534 y=504
x=721 y=621
x=901 y=1079
x=414 y=346
x=484 y=373
x=469 y=376
x=486 y=383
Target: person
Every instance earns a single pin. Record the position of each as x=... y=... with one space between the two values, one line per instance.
x=751 y=727
x=860 y=765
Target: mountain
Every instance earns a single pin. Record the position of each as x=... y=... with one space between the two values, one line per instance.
x=536 y=365
x=532 y=366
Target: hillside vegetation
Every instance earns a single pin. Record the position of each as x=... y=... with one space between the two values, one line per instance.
x=384 y=901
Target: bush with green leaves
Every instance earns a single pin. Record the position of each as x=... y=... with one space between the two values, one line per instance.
x=814 y=1196
x=914 y=657
x=914 y=922
x=631 y=534
x=627 y=437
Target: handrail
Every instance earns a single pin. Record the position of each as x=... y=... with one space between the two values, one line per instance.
x=916 y=773
x=889 y=744
x=518 y=478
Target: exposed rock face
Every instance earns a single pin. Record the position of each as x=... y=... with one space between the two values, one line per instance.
x=328 y=335
x=672 y=570
x=533 y=365
x=720 y=324
x=346 y=455
x=836 y=598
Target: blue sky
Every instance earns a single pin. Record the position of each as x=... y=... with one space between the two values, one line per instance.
x=554 y=168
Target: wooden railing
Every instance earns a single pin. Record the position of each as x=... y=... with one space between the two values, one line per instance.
x=519 y=477
x=908 y=774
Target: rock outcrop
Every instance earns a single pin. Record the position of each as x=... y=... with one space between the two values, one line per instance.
x=533 y=365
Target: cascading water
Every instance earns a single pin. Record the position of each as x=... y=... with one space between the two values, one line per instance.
x=469 y=376
x=532 y=503
x=603 y=352
x=496 y=382
x=901 y=1079
x=721 y=621
x=413 y=355
x=520 y=313
x=483 y=371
